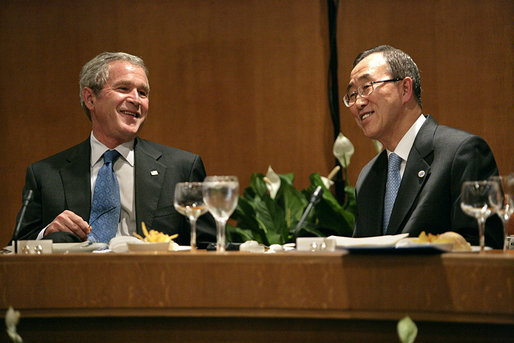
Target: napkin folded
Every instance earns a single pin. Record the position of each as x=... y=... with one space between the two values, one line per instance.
x=376 y=241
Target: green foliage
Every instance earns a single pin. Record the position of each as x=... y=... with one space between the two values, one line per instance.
x=273 y=221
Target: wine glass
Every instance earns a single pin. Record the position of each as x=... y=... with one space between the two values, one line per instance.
x=220 y=194
x=477 y=198
x=505 y=206
x=188 y=201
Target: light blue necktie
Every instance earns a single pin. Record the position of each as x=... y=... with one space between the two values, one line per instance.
x=393 y=183
x=106 y=206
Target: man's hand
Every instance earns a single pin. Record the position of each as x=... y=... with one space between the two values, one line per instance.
x=68 y=221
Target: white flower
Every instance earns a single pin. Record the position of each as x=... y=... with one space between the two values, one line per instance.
x=343 y=150
x=272 y=182
x=12 y=318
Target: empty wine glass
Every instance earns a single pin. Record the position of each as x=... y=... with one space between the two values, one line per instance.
x=505 y=207
x=477 y=199
x=188 y=201
x=220 y=194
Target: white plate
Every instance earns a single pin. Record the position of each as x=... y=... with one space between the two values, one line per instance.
x=157 y=246
x=376 y=241
x=63 y=248
x=409 y=242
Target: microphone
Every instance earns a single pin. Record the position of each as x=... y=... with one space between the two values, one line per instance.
x=26 y=200
x=315 y=198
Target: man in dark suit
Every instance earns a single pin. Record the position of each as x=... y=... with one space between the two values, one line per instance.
x=384 y=97
x=114 y=92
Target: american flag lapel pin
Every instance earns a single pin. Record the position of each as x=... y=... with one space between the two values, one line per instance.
x=154 y=172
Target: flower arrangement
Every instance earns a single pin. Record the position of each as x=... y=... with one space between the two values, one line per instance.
x=271 y=207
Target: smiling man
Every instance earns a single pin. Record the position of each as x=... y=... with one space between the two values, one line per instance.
x=415 y=184
x=109 y=184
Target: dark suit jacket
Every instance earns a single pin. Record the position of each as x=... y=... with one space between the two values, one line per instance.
x=440 y=160
x=63 y=182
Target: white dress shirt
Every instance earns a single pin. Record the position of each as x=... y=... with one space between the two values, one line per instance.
x=124 y=170
x=406 y=143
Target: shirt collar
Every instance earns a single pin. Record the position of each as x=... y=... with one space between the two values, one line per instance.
x=126 y=150
x=407 y=141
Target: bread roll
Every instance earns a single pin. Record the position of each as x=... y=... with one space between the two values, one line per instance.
x=459 y=243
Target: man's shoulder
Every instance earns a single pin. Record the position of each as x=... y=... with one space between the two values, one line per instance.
x=449 y=137
x=154 y=148
x=442 y=137
x=81 y=149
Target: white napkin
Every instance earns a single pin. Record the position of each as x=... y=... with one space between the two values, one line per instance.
x=376 y=241
x=119 y=243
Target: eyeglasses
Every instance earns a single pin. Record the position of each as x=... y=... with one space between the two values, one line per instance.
x=364 y=91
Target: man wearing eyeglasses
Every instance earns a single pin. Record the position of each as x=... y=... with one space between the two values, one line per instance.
x=415 y=184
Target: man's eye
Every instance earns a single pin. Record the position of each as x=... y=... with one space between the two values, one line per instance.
x=353 y=95
x=143 y=94
x=366 y=87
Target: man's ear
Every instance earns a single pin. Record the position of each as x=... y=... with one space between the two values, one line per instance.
x=89 y=97
x=407 y=89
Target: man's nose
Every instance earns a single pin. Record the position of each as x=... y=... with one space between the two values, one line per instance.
x=361 y=101
x=134 y=97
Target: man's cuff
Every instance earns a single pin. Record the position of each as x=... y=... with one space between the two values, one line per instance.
x=41 y=233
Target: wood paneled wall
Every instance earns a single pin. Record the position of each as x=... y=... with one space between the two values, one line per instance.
x=244 y=83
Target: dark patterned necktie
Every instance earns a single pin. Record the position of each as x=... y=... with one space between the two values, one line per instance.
x=106 y=206
x=393 y=183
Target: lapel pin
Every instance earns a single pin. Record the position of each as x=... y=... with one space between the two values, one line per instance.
x=421 y=173
x=154 y=172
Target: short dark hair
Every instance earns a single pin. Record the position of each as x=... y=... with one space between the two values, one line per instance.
x=95 y=73
x=401 y=65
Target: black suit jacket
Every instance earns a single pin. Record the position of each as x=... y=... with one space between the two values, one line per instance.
x=63 y=182
x=428 y=199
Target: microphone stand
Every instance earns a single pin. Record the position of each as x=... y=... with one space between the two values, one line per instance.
x=26 y=200
x=315 y=198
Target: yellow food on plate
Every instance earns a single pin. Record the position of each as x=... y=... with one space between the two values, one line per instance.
x=154 y=236
x=459 y=243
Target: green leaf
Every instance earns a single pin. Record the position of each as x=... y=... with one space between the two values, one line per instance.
x=288 y=178
x=332 y=217
x=258 y=184
x=407 y=330
x=294 y=201
x=351 y=200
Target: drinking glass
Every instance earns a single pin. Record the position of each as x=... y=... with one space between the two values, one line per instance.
x=220 y=194
x=505 y=206
x=477 y=199
x=188 y=201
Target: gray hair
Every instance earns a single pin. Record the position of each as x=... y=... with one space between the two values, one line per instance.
x=400 y=64
x=95 y=73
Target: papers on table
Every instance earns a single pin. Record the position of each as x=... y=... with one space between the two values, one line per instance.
x=377 y=241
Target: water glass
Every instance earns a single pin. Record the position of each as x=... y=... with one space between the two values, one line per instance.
x=220 y=194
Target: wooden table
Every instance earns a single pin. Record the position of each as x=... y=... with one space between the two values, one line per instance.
x=244 y=297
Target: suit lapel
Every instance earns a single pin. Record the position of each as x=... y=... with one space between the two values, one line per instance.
x=76 y=180
x=149 y=177
x=417 y=172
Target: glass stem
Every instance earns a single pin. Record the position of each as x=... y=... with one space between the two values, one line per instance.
x=220 y=235
x=481 y=228
x=192 y=220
